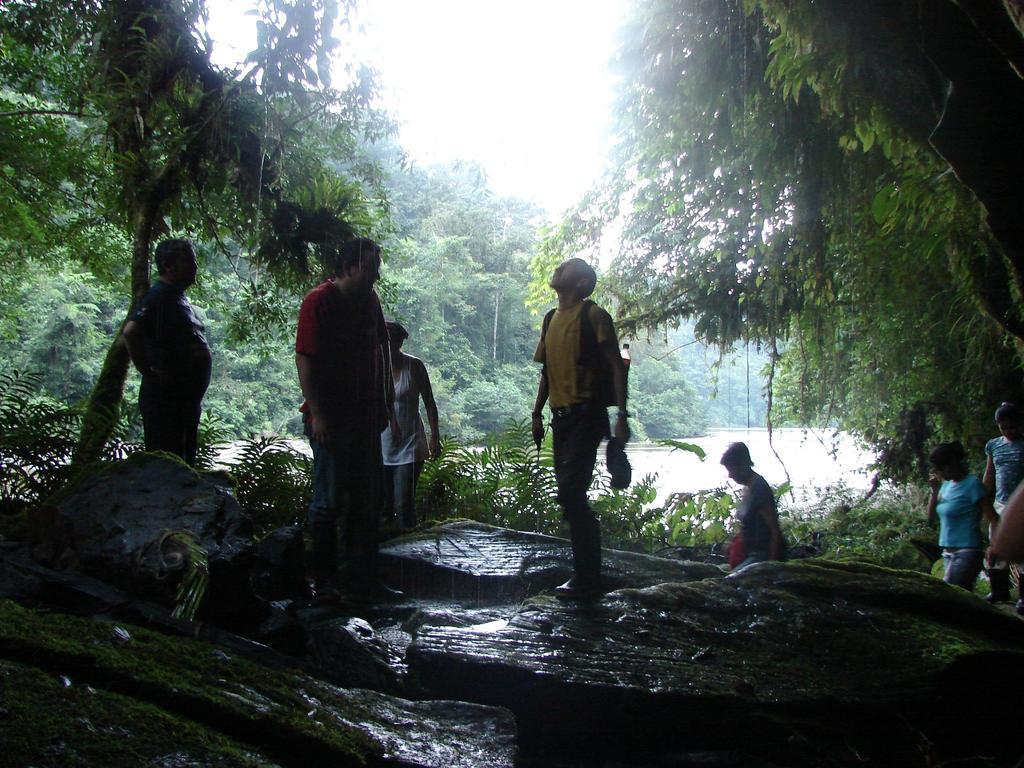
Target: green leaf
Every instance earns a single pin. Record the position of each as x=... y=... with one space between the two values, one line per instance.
x=883 y=204
x=677 y=445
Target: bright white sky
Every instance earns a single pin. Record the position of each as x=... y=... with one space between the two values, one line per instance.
x=523 y=88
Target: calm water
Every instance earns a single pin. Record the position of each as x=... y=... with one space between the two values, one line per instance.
x=814 y=460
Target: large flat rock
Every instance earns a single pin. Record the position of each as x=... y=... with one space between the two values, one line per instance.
x=131 y=689
x=482 y=563
x=798 y=660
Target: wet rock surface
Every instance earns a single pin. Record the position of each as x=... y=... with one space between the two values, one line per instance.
x=349 y=651
x=479 y=563
x=231 y=712
x=810 y=663
x=814 y=663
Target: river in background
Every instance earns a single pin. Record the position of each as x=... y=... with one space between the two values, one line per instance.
x=815 y=460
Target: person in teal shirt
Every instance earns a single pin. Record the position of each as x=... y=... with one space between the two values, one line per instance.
x=959 y=500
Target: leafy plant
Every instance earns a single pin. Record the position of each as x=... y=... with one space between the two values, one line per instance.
x=180 y=551
x=507 y=483
x=889 y=528
x=679 y=445
x=37 y=437
x=694 y=519
x=273 y=482
x=211 y=438
x=503 y=483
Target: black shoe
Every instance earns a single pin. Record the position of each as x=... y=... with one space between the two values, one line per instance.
x=1020 y=607
x=999 y=581
x=578 y=588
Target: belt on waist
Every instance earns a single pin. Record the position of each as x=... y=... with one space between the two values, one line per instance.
x=570 y=410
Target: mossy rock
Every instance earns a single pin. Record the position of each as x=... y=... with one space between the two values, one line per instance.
x=192 y=680
x=49 y=721
x=229 y=711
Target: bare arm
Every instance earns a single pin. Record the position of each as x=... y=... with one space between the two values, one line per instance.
x=537 y=420
x=933 y=499
x=988 y=512
x=389 y=382
x=427 y=393
x=614 y=359
x=134 y=340
x=317 y=424
x=989 y=478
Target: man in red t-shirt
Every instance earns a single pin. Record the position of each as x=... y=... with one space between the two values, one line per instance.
x=341 y=353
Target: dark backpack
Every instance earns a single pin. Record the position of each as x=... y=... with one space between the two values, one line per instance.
x=589 y=358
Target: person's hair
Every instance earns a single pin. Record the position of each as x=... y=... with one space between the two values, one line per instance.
x=353 y=252
x=949 y=456
x=1008 y=412
x=169 y=251
x=587 y=273
x=737 y=455
x=396 y=331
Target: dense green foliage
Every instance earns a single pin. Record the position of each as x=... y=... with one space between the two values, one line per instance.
x=457 y=254
x=763 y=194
x=506 y=483
x=140 y=134
x=777 y=221
x=37 y=437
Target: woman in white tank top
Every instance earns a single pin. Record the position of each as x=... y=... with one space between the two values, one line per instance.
x=404 y=443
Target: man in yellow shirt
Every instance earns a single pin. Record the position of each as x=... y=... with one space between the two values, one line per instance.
x=582 y=375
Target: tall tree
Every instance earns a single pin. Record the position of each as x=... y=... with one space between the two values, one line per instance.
x=200 y=148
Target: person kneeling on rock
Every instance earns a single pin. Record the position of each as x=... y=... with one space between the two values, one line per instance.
x=760 y=537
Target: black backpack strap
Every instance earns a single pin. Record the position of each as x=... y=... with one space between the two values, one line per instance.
x=543 y=333
x=591 y=358
x=588 y=337
x=547 y=322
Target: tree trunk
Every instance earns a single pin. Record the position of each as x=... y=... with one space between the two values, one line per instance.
x=494 y=336
x=104 y=407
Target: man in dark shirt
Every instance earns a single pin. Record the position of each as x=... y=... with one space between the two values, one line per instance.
x=758 y=515
x=344 y=368
x=167 y=344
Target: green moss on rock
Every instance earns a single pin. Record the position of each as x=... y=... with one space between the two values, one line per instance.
x=47 y=720
x=284 y=713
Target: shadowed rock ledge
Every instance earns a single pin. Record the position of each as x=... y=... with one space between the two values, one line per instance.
x=813 y=663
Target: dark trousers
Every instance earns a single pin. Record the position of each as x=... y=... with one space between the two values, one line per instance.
x=171 y=423
x=577 y=432
x=346 y=484
x=400 y=492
